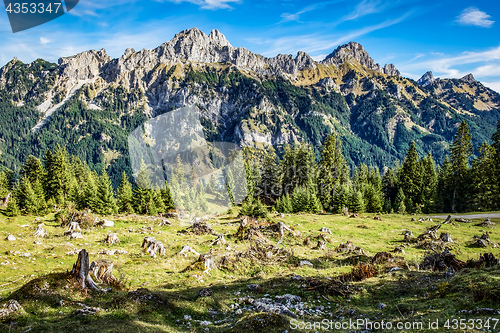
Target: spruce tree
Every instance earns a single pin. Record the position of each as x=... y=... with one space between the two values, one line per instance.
x=27 y=197
x=4 y=184
x=167 y=198
x=429 y=182
x=399 y=203
x=390 y=189
x=484 y=180
x=143 y=194
x=125 y=196
x=333 y=171
x=461 y=151
x=12 y=207
x=106 y=204
x=410 y=178
x=357 y=204
x=271 y=176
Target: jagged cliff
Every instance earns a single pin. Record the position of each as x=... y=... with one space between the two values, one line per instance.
x=91 y=102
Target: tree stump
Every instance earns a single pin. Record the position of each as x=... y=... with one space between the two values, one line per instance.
x=81 y=271
x=321 y=245
x=307 y=242
x=326 y=230
x=408 y=236
x=186 y=249
x=208 y=261
x=75 y=235
x=73 y=227
x=102 y=270
x=112 y=239
x=153 y=246
x=220 y=240
x=40 y=232
x=445 y=237
x=164 y=223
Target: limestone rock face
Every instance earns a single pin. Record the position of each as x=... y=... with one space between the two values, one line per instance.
x=85 y=65
x=426 y=79
x=469 y=78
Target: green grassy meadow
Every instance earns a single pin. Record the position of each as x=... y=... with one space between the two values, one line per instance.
x=161 y=295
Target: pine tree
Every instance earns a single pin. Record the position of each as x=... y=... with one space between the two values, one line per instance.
x=484 y=180
x=88 y=199
x=399 y=203
x=341 y=198
x=143 y=194
x=41 y=203
x=333 y=171
x=284 y=204
x=410 y=178
x=443 y=200
x=58 y=174
x=461 y=150
x=373 y=199
x=167 y=198
x=125 y=196
x=429 y=182
x=357 y=204
x=106 y=204
x=13 y=208
x=271 y=176
x=390 y=189
x=26 y=196
x=4 y=184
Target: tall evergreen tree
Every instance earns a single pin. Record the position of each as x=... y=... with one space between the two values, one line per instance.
x=484 y=180
x=271 y=176
x=125 y=196
x=143 y=194
x=168 y=200
x=461 y=151
x=390 y=189
x=332 y=171
x=429 y=182
x=58 y=174
x=4 y=184
x=410 y=178
x=106 y=204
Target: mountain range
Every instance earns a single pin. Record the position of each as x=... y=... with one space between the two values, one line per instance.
x=90 y=102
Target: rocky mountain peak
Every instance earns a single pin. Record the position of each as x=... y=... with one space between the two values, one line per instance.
x=353 y=51
x=426 y=79
x=217 y=37
x=469 y=78
x=85 y=65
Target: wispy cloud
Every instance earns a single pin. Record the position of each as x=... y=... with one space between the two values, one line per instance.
x=286 y=17
x=475 y=17
x=210 y=4
x=315 y=43
x=365 y=7
x=489 y=62
x=44 y=41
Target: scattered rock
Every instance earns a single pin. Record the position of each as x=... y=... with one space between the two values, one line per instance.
x=164 y=223
x=106 y=223
x=11 y=238
x=305 y=263
x=206 y=292
x=381 y=306
x=9 y=308
x=253 y=287
x=326 y=230
x=75 y=235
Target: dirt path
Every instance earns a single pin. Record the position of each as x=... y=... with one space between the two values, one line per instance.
x=469 y=217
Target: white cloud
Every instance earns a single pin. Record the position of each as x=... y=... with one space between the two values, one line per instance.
x=448 y=65
x=210 y=4
x=475 y=17
x=44 y=41
x=492 y=85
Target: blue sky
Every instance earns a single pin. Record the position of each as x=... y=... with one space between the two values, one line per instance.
x=450 y=37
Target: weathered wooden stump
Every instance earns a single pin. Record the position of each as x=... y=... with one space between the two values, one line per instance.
x=220 y=240
x=81 y=270
x=153 y=246
x=186 y=249
x=112 y=238
x=40 y=232
x=321 y=245
x=73 y=227
x=445 y=237
x=102 y=270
